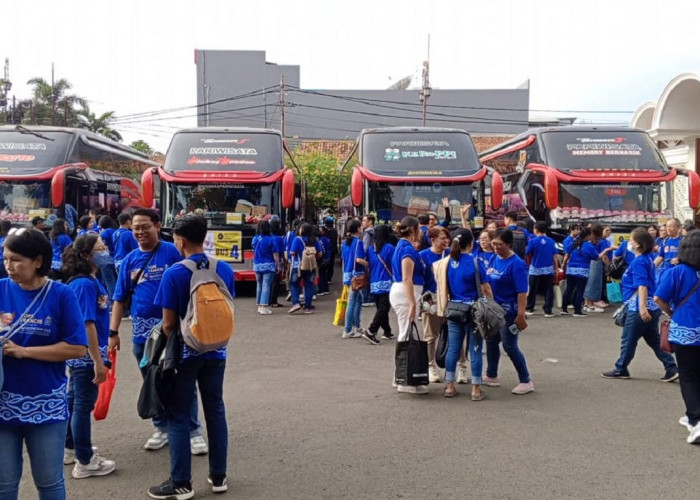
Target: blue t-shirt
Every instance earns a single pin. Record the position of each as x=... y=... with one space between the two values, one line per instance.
x=288 y=240
x=326 y=245
x=106 y=235
x=623 y=251
x=379 y=276
x=508 y=278
x=279 y=244
x=641 y=272
x=93 y=300
x=580 y=260
x=405 y=250
x=484 y=256
x=675 y=285
x=461 y=278
x=356 y=250
x=428 y=258
x=601 y=245
x=668 y=249
x=542 y=249
x=62 y=242
x=566 y=245
x=174 y=293
x=297 y=249
x=34 y=391
x=263 y=259
x=124 y=242
x=145 y=314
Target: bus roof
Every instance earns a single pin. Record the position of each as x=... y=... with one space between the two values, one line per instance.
x=230 y=130
x=386 y=130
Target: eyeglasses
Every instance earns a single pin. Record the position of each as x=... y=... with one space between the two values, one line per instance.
x=139 y=229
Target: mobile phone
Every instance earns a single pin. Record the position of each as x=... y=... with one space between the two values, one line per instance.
x=514 y=329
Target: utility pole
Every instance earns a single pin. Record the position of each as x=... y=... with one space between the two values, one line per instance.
x=5 y=87
x=425 y=89
x=282 y=105
x=53 y=99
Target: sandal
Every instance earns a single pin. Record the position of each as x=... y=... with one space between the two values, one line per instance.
x=450 y=394
x=478 y=397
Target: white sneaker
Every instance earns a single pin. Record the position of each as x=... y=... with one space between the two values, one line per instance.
x=529 y=313
x=69 y=455
x=98 y=466
x=156 y=441
x=413 y=389
x=265 y=310
x=434 y=375
x=685 y=423
x=694 y=436
x=198 y=446
x=462 y=376
x=352 y=334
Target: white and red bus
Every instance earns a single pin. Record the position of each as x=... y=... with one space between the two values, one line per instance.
x=575 y=174
x=234 y=177
x=42 y=169
x=409 y=170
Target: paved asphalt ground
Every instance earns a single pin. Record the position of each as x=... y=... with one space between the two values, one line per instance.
x=313 y=416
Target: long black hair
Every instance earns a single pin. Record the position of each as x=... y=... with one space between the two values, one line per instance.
x=58 y=228
x=382 y=236
x=76 y=257
x=307 y=230
x=461 y=239
x=353 y=227
x=582 y=236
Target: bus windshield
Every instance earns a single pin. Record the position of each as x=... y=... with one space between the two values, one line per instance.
x=597 y=200
x=419 y=154
x=253 y=151
x=221 y=204
x=20 y=201
x=22 y=153
x=633 y=150
x=392 y=202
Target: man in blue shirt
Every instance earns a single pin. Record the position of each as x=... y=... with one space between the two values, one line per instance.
x=203 y=369
x=668 y=249
x=543 y=263
x=123 y=240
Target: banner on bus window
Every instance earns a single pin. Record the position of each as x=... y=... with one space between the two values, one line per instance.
x=224 y=245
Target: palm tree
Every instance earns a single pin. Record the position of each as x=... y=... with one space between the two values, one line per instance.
x=52 y=105
x=98 y=124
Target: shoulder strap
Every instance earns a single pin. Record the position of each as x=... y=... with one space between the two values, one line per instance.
x=477 y=275
x=690 y=294
x=135 y=281
x=391 y=275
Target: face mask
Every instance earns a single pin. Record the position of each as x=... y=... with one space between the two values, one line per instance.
x=102 y=259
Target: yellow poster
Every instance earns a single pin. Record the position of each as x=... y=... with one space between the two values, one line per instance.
x=224 y=245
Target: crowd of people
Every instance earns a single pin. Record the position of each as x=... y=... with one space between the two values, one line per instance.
x=63 y=300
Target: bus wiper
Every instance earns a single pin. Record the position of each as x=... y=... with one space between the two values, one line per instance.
x=25 y=130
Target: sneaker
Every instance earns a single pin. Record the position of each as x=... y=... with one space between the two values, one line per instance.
x=171 y=491
x=370 y=337
x=387 y=336
x=616 y=374
x=69 y=455
x=694 y=436
x=314 y=297
x=521 y=388
x=580 y=315
x=218 y=484
x=198 y=446
x=592 y=309
x=288 y=298
x=462 y=377
x=265 y=310
x=685 y=423
x=368 y=304
x=97 y=466
x=352 y=334
x=529 y=313
x=670 y=376
x=394 y=383
x=413 y=389
x=601 y=304
x=434 y=375
x=308 y=311
x=156 y=441
x=491 y=381
x=321 y=294
x=548 y=315
x=294 y=308
x=564 y=312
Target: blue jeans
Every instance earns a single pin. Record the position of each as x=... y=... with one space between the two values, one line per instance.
x=264 y=286
x=510 y=345
x=109 y=278
x=82 y=394
x=636 y=328
x=295 y=287
x=45 y=448
x=455 y=338
x=354 y=310
x=208 y=374
x=161 y=421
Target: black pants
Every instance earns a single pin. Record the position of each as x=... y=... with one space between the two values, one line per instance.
x=275 y=290
x=688 y=358
x=331 y=267
x=575 y=286
x=536 y=283
x=381 y=316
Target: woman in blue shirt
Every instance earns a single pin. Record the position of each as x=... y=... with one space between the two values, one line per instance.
x=265 y=265
x=354 y=262
x=484 y=252
x=508 y=279
x=278 y=237
x=679 y=297
x=86 y=373
x=577 y=265
x=33 y=403
x=456 y=277
x=594 y=286
x=379 y=256
x=642 y=320
x=105 y=259
x=59 y=242
x=305 y=239
x=407 y=286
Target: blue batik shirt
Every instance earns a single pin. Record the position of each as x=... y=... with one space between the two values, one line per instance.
x=93 y=300
x=675 y=285
x=542 y=249
x=641 y=272
x=379 y=277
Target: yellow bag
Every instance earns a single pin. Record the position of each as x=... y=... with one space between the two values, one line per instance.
x=341 y=305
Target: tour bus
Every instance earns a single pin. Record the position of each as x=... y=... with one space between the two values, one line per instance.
x=232 y=176
x=577 y=174
x=409 y=170
x=43 y=169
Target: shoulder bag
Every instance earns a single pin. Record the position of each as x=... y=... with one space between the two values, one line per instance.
x=361 y=281
x=665 y=326
x=489 y=316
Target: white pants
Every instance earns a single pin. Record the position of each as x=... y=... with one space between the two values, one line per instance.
x=399 y=302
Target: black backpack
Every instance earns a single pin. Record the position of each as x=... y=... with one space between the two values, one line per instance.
x=519 y=242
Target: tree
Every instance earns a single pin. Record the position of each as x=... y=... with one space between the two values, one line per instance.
x=98 y=124
x=52 y=105
x=325 y=185
x=142 y=146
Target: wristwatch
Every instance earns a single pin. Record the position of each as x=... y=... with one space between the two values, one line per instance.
x=113 y=333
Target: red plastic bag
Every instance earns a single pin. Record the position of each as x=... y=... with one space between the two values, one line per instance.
x=104 y=396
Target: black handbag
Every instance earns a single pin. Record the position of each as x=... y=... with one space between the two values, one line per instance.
x=458 y=312
x=412 y=359
x=617 y=268
x=441 y=348
x=149 y=403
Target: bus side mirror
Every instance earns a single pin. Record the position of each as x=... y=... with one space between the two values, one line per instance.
x=147 y=187
x=693 y=189
x=496 y=191
x=288 y=190
x=58 y=188
x=356 y=188
x=551 y=189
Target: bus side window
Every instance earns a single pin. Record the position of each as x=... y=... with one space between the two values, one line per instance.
x=534 y=191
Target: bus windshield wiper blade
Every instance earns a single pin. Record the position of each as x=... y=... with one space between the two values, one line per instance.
x=25 y=130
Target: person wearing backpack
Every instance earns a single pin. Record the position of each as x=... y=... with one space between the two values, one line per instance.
x=521 y=236
x=204 y=370
x=303 y=256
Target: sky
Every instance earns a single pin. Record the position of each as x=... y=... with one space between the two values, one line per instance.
x=136 y=56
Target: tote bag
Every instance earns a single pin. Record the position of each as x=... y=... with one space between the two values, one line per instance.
x=104 y=394
x=412 y=359
x=341 y=306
